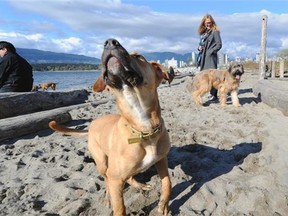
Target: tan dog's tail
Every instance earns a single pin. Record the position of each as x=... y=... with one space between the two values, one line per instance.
x=68 y=131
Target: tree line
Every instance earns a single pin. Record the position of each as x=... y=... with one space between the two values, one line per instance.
x=283 y=54
x=64 y=67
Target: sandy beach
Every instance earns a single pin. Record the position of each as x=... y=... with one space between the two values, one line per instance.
x=222 y=162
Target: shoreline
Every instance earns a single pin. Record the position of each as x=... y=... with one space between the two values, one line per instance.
x=68 y=71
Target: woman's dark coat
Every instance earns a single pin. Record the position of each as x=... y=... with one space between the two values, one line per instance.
x=212 y=45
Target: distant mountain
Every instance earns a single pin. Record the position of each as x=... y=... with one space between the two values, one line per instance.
x=35 y=56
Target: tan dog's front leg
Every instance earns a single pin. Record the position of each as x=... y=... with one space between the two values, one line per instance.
x=107 y=195
x=115 y=188
x=162 y=169
x=235 y=99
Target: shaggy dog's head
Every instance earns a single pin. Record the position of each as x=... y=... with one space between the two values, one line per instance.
x=237 y=70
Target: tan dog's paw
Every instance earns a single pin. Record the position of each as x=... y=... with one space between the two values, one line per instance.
x=146 y=187
x=163 y=208
x=138 y=185
x=237 y=105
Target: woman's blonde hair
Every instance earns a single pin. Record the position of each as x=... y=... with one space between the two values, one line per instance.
x=202 y=27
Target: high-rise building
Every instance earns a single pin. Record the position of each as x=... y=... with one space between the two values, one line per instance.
x=194 y=58
x=222 y=59
x=172 y=62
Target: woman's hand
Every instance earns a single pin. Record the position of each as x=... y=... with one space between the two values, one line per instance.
x=200 y=48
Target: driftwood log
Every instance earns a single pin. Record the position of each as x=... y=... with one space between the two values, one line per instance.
x=30 y=123
x=29 y=112
x=21 y=125
x=273 y=93
x=14 y=104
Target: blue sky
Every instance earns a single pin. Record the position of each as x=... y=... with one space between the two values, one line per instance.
x=82 y=26
x=223 y=6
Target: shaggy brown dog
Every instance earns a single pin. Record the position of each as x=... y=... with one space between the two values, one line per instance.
x=128 y=143
x=45 y=86
x=224 y=80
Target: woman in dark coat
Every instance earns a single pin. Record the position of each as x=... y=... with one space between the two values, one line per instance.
x=15 y=72
x=210 y=44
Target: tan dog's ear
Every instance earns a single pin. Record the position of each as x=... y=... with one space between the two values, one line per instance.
x=162 y=72
x=99 y=85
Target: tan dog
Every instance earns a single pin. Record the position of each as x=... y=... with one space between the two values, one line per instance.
x=126 y=144
x=35 y=88
x=225 y=81
x=45 y=86
x=171 y=75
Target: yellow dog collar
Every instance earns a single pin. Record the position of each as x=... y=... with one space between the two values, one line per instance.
x=138 y=136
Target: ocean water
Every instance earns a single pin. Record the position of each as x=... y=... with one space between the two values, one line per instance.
x=67 y=80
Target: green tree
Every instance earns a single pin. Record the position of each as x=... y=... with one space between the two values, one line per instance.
x=64 y=66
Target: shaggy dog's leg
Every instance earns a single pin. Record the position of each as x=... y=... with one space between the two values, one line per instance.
x=235 y=99
x=222 y=96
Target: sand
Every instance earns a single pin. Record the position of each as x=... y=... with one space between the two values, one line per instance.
x=223 y=161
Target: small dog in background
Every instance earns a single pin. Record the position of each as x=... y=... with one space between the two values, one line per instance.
x=35 y=88
x=45 y=86
x=225 y=81
x=171 y=74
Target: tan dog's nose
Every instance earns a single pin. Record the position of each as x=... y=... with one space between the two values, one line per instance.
x=111 y=44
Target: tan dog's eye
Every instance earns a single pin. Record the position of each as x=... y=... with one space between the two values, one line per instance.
x=140 y=57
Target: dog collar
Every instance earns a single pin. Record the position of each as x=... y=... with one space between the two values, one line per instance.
x=142 y=135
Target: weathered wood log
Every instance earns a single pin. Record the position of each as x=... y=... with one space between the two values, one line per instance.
x=30 y=123
x=273 y=93
x=21 y=125
x=14 y=104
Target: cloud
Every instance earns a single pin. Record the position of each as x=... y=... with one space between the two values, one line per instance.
x=68 y=45
x=81 y=27
x=284 y=42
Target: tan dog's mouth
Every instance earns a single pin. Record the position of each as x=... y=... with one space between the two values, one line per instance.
x=117 y=69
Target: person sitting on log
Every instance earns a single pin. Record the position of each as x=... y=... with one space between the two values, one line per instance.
x=15 y=72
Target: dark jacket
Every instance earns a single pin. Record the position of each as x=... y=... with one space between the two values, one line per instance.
x=15 y=74
x=212 y=45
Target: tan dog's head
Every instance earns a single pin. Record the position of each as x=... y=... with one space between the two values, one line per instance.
x=35 y=88
x=121 y=69
x=236 y=69
x=53 y=86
